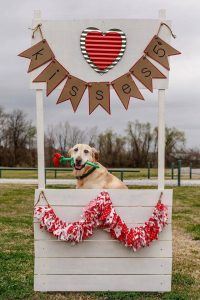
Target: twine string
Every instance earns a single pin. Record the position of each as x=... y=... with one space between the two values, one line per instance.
x=43 y=196
x=160 y=198
x=164 y=24
x=38 y=27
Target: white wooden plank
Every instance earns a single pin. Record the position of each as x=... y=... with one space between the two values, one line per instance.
x=100 y=249
x=73 y=197
x=129 y=215
x=103 y=266
x=57 y=257
x=149 y=283
x=99 y=235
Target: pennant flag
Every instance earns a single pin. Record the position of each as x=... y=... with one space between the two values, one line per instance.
x=73 y=90
x=99 y=94
x=159 y=50
x=39 y=54
x=126 y=88
x=145 y=72
x=53 y=75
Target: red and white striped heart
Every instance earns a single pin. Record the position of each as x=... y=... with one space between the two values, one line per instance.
x=101 y=50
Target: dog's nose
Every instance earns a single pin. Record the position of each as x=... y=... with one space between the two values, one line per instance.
x=78 y=161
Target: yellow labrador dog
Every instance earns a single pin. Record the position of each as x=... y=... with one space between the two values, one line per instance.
x=89 y=177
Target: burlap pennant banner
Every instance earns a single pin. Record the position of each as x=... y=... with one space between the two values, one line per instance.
x=53 y=75
x=99 y=94
x=159 y=50
x=39 y=54
x=73 y=90
x=126 y=88
x=145 y=72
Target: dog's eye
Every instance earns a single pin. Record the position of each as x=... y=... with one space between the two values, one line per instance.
x=76 y=149
x=86 y=151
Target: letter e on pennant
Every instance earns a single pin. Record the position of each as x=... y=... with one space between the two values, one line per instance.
x=126 y=88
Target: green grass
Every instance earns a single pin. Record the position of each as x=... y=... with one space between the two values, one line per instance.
x=23 y=174
x=16 y=250
x=194 y=230
x=143 y=174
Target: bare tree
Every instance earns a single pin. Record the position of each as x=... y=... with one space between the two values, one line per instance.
x=92 y=136
x=3 y=126
x=18 y=144
x=112 y=148
x=61 y=138
x=174 y=143
x=140 y=137
x=50 y=145
x=20 y=135
x=77 y=136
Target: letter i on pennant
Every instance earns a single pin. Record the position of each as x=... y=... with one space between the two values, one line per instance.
x=53 y=75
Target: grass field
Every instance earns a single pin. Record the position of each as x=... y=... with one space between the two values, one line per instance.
x=16 y=250
x=68 y=175
x=143 y=174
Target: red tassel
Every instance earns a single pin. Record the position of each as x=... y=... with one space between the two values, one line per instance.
x=56 y=159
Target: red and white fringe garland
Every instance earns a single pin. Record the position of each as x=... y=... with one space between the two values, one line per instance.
x=101 y=214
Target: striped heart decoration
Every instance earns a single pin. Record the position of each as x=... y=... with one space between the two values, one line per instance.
x=102 y=51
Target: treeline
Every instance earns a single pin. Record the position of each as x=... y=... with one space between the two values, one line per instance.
x=17 y=140
x=135 y=148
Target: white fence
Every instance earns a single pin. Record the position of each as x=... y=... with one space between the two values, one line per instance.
x=101 y=263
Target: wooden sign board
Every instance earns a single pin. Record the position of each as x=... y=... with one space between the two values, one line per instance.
x=64 y=39
x=101 y=263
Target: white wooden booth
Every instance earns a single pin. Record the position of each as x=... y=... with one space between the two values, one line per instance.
x=101 y=263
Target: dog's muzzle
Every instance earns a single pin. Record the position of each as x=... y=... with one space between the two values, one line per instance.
x=78 y=165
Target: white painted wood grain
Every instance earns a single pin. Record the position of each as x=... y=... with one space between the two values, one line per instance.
x=103 y=266
x=101 y=263
x=161 y=122
x=149 y=283
x=63 y=37
x=90 y=248
x=99 y=234
x=161 y=139
x=132 y=197
x=40 y=138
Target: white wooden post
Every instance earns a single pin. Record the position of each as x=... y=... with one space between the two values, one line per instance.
x=161 y=127
x=40 y=127
x=40 y=138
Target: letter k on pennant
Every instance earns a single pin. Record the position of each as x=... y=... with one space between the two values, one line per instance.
x=39 y=54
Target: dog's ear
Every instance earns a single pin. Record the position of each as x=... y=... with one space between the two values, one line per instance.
x=95 y=154
x=69 y=153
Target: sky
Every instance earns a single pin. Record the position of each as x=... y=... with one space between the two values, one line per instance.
x=182 y=97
